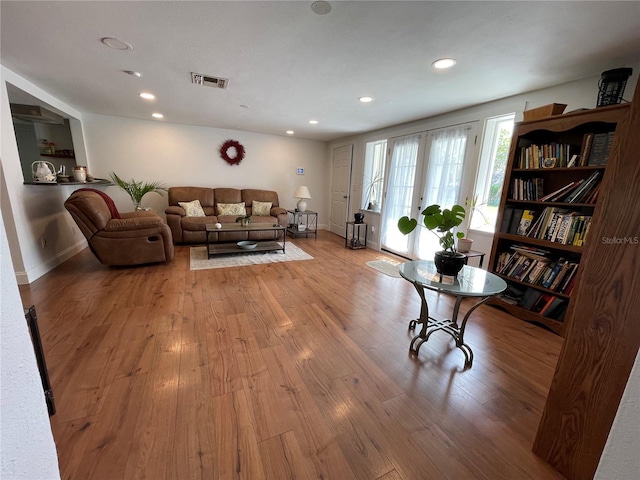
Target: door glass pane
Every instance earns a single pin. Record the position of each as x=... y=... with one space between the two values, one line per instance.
x=400 y=188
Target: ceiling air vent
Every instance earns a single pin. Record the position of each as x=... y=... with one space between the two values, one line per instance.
x=207 y=81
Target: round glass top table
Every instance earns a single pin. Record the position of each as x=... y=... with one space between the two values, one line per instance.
x=470 y=282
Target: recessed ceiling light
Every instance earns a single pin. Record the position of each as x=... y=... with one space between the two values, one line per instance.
x=320 y=7
x=157 y=115
x=132 y=73
x=313 y=122
x=365 y=99
x=290 y=132
x=115 y=43
x=147 y=96
x=444 y=63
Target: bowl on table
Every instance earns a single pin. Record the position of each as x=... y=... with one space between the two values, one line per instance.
x=247 y=245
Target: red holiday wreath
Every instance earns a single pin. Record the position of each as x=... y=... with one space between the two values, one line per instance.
x=224 y=152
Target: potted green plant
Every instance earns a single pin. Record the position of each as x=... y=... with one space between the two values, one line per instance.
x=137 y=189
x=441 y=222
x=244 y=220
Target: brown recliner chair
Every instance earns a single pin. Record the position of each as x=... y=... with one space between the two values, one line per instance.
x=117 y=239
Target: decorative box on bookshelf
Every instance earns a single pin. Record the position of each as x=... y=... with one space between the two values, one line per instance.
x=553 y=182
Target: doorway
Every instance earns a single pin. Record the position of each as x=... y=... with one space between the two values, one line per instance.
x=425 y=169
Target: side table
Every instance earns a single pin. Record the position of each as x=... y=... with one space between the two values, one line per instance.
x=470 y=282
x=310 y=224
x=356 y=241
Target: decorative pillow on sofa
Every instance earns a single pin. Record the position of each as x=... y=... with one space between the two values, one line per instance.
x=261 y=209
x=193 y=208
x=231 y=209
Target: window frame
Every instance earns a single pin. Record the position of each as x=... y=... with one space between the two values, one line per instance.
x=375 y=159
x=485 y=172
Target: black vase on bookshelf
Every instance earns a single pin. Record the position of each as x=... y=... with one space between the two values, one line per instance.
x=555 y=176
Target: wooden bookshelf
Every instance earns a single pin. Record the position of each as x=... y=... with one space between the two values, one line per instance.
x=532 y=138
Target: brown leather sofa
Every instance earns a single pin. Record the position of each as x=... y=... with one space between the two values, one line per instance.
x=119 y=239
x=193 y=229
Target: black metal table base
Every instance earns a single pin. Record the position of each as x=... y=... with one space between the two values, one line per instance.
x=450 y=326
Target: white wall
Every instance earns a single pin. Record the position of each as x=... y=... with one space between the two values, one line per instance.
x=183 y=155
x=27 y=450
x=620 y=459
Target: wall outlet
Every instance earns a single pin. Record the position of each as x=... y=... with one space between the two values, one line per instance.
x=373 y=229
x=43 y=242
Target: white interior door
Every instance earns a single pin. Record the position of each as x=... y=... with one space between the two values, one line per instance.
x=340 y=187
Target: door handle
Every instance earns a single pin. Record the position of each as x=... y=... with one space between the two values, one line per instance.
x=345 y=196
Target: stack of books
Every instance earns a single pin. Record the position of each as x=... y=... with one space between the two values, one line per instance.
x=580 y=191
x=533 y=266
x=561 y=226
x=534 y=156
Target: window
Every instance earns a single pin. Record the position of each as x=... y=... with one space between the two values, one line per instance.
x=493 y=163
x=374 y=158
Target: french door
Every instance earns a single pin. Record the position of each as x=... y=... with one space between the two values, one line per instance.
x=401 y=197
x=426 y=169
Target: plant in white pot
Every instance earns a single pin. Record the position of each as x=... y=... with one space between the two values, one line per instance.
x=465 y=243
x=441 y=222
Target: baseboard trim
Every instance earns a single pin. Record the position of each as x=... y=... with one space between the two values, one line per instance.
x=25 y=278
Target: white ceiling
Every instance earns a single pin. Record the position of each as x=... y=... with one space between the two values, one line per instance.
x=290 y=65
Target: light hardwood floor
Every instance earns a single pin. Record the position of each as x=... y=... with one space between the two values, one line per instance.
x=293 y=370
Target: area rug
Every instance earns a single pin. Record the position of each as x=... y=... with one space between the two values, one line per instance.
x=199 y=261
x=386 y=266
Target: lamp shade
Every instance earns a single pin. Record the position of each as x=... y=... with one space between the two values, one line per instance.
x=302 y=192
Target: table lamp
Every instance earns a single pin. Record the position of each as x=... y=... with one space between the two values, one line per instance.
x=302 y=193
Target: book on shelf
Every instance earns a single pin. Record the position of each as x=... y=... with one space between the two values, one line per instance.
x=541 y=302
x=515 y=221
x=600 y=148
x=553 y=196
x=529 y=298
x=577 y=195
x=586 y=148
x=525 y=222
x=507 y=215
x=573 y=161
x=551 y=307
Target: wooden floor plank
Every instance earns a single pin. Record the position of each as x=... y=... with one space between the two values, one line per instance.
x=237 y=454
x=282 y=458
x=150 y=454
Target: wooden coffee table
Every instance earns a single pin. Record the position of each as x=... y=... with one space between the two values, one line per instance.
x=263 y=245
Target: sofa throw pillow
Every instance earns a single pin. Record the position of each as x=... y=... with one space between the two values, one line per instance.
x=231 y=209
x=193 y=208
x=262 y=209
